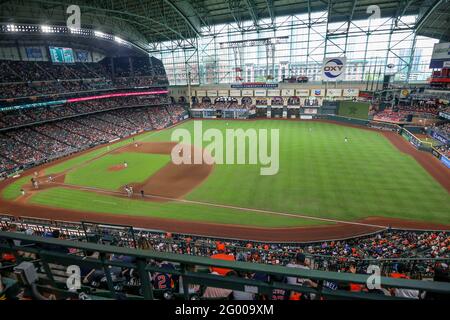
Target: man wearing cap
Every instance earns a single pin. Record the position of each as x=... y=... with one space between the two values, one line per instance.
x=221 y=255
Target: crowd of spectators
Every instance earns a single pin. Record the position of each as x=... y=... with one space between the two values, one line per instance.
x=389 y=115
x=294 y=101
x=33 y=78
x=443 y=128
x=16 y=152
x=176 y=112
x=419 y=251
x=420 y=109
x=219 y=105
x=444 y=149
x=32 y=145
x=14 y=118
x=261 y=102
x=390 y=244
x=399 y=113
x=277 y=101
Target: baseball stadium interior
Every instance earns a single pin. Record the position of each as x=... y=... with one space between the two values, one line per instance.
x=94 y=207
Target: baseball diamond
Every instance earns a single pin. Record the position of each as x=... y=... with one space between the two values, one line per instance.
x=224 y=151
x=322 y=182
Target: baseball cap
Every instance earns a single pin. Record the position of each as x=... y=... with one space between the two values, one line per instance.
x=220 y=246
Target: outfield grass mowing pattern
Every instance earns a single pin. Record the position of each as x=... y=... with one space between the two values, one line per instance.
x=79 y=200
x=96 y=173
x=320 y=175
x=12 y=191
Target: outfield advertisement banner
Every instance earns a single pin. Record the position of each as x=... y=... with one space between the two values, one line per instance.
x=235 y=93
x=334 y=92
x=254 y=85
x=445 y=161
x=350 y=92
x=288 y=92
x=273 y=93
x=411 y=138
x=439 y=137
x=318 y=92
x=435 y=153
x=260 y=93
x=302 y=92
x=310 y=111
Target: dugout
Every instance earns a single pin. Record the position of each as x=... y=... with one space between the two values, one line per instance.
x=293 y=101
x=293 y=112
x=277 y=111
x=277 y=101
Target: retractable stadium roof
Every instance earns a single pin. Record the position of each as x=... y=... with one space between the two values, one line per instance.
x=150 y=21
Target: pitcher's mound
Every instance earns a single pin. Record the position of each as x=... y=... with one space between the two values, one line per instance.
x=172 y=181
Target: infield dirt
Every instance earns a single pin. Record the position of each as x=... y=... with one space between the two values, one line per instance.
x=176 y=181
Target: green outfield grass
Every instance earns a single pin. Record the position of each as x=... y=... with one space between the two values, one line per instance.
x=320 y=175
x=96 y=174
x=78 y=200
x=12 y=191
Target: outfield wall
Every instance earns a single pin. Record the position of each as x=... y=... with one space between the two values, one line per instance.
x=445 y=161
x=347 y=120
x=416 y=142
x=244 y=114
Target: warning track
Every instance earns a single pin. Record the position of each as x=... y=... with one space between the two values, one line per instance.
x=339 y=229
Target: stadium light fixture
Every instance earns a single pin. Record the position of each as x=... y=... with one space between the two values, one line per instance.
x=74 y=30
x=99 y=34
x=119 y=40
x=46 y=29
x=11 y=28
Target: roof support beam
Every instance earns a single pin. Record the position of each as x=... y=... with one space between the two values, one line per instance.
x=115 y=12
x=182 y=15
x=349 y=22
x=422 y=20
x=403 y=5
x=353 y=11
x=270 y=9
x=406 y=8
x=251 y=8
x=233 y=6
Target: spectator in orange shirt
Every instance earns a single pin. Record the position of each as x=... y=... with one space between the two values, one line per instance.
x=221 y=255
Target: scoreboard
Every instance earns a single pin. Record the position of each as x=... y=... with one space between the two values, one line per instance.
x=61 y=55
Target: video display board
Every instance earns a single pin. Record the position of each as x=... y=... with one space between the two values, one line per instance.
x=33 y=52
x=61 y=55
